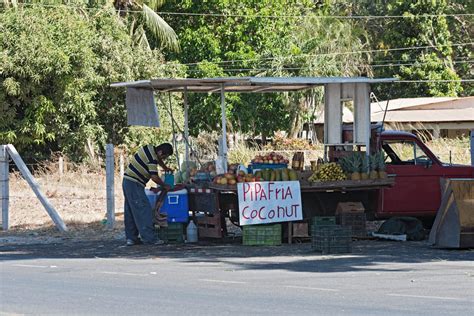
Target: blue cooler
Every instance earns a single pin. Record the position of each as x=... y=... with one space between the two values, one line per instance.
x=176 y=205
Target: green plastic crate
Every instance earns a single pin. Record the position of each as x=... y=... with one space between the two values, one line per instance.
x=318 y=222
x=356 y=221
x=323 y=220
x=262 y=235
x=172 y=234
x=332 y=239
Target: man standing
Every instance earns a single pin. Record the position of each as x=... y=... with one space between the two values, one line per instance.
x=137 y=210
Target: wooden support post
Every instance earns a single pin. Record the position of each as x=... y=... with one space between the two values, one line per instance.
x=290 y=232
x=472 y=147
x=109 y=175
x=224 y=128
x=362 y=120
x=35 y=187
x=332 y=114
x=61 y=167
x=436 y=131
x=4 y=185
x=186 y=128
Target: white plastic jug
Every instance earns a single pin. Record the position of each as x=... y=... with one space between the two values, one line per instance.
x=191 y=232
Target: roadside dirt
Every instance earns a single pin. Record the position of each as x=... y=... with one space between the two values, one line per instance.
x=79 y=198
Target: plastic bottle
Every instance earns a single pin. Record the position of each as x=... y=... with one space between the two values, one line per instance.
x=191 y=232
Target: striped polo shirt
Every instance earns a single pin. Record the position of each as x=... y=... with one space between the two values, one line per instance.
x=143 y=165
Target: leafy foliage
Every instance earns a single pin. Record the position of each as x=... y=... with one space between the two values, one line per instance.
x=254 y=41
x=415 y=30
x=56 y=63
x=160 y=34
x=55 y=69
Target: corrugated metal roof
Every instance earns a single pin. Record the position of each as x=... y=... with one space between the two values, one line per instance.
x=418 y=110
x=453 y=115
x=423 y=103
x=243 y=84
x=426 y=110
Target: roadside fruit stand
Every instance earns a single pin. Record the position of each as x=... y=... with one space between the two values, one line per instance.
x=269 y=190
x=321 y=189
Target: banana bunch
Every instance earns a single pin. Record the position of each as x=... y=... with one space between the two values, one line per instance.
x=328 y=172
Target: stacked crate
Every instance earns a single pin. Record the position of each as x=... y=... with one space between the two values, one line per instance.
x=356 y=221
x=262 y=235
x=172 y=234
x=210 y=225
x=352 y=214
x=329 y=238
x=319 y=221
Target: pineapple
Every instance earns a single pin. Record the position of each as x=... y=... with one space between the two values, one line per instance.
x=373 y=159
x=381 y=165
x=364 y=172
x=355 y=166
x=344 y=162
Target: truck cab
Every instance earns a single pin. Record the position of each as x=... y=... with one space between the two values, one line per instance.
x=418 y=176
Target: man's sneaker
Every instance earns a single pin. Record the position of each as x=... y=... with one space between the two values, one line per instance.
x=131 y=242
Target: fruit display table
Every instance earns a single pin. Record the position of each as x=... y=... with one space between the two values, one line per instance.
x=347 y=185
x=327 y=186
x=320 y=198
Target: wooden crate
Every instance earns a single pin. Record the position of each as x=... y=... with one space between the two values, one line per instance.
x=300 y=230
x=350 y=207
x=210 y=225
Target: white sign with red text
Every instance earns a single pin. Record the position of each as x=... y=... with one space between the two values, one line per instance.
x=269 y=202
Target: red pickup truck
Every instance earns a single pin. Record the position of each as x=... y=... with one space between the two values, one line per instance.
x=418 y=173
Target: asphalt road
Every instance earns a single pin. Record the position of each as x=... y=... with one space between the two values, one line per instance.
x=92 y=278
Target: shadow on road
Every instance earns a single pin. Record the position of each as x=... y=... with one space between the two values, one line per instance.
x=366 y=255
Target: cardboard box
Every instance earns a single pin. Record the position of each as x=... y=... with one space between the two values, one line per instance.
x=349 y=207
x=300 y=230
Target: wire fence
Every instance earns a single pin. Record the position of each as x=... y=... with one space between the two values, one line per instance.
x=43 y=193
x=80 y=203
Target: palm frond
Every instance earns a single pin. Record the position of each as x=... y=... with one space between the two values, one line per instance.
x=160 y=29
x=139 y=38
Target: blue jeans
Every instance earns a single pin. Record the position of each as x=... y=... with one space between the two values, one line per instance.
x=138 y=213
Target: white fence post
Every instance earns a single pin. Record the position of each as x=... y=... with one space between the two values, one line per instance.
x=4 y=185
x=61 y=167
x=35 y=187
x=109 y=175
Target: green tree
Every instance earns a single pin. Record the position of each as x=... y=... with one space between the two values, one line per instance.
x=55 y=70
x=320 y=46
x=209 y=40
x=139 y=15
x=264 y=38
x=420 y=27
x=462 y=30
